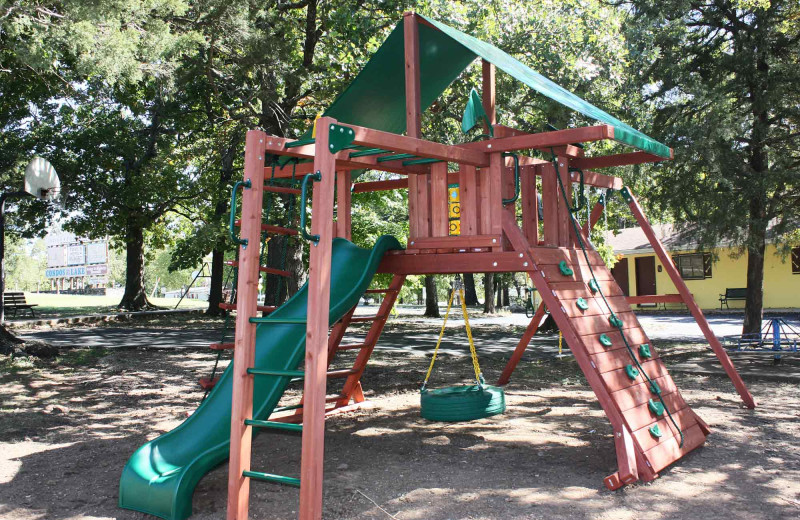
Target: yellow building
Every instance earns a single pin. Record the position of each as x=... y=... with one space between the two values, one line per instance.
x=708 y=273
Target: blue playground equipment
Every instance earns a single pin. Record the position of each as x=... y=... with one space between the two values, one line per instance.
x=776 y=336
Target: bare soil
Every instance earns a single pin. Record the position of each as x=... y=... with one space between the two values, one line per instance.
x=67 y=427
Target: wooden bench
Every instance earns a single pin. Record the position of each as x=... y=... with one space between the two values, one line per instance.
x=16 y=301
x=739 y=293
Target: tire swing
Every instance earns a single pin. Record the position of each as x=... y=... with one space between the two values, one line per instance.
x=462 y=402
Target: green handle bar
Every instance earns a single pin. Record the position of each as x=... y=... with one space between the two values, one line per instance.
x=304 y=203
x=236 y=240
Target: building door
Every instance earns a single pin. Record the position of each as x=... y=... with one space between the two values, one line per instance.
x=620 y=273
x=645 y=275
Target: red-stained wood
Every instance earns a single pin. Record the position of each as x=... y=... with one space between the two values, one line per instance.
x=666 y=453
x=484 y=196
x=524 y=341
x=316 y=363
x=617 y=379
x=508 y=191
x=622 y=159
x=635 y=336
x=412 y=76
x=423 y=208
x=530 y=205
x=337 y=333
x=554 y=255
x=468 y=194
x=245 y=335
x=697 y=313
x=641 y=416
x=440 y=224
x=495 y=188
x=569 y=289
x=565 y=232
x=579 y=273
x=394 y=184
x=617 y=358
x=599 y=324
x=543 y=140
x=352 y=384
x=451 y=263
x=343 y=205
x=636 y=395
x=489 y=93
x=413 y=205
x=550 y=197
x=457 y=242
x=594 y=217
x=684 y=418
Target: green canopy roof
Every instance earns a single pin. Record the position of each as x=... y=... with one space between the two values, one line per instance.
x=376 y=98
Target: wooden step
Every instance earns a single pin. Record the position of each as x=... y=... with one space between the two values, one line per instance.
x=275 y=230
x=259 y=308
x=263 y=269
x=352 y=346
x=281 y=189
x=337 y=374
x=221 y=346
x=366 y=318
x=206 y=383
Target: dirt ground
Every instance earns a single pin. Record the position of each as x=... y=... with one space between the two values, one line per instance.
x=68 y=426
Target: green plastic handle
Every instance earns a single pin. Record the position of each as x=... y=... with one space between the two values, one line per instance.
x=304 y=202
x=232 y=227
x=513 y=199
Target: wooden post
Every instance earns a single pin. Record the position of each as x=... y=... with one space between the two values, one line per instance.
x=688 y=299
x=343 y=204
x=245 y=336
x=489 y=92
x=468 y=193
x=316 y=362
x=565 y=233
x=413 y=110
x=440 y=225
x=530 y=205
x=550 y=197
x=533 y=326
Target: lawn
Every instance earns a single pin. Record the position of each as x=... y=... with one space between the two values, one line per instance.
x=67 y=305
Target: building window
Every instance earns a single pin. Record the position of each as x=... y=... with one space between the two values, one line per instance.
x=694 y=266
x=796 y=260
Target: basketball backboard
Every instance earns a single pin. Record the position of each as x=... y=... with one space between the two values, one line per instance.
x=41 y=180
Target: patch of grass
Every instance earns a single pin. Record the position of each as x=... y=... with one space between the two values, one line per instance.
x=83 y=357
x=66 y=305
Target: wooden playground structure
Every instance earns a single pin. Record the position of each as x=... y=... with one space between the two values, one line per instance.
x=500 y=232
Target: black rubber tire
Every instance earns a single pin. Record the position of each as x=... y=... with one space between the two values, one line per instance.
x=462 y=403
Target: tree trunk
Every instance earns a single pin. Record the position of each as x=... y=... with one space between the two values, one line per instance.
x=215 y=286
x=135 y=297
x=505 y=294
x=431 y=298
x=488 y=293
x=754 y=301
x=470 y=294
x=498 y=287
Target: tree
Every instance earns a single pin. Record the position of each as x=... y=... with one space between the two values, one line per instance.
x=470 y=294
x=488 y=293
x=431 y=297
x=724 y=77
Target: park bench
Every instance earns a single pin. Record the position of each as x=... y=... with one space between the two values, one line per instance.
x=16 y=301
x=739 y=293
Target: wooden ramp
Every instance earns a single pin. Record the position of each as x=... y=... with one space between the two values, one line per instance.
x=647 y=440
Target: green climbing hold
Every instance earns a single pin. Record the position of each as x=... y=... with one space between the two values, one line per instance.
x=565 y=270
x=605 y=340
x=615 y=321
x=593 y=286
x=656 y=407
x=582 y=304
x=655 y=431
x=632 y=372
x=644 y=351
x=654 y=388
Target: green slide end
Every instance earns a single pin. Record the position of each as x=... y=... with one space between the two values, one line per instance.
x=160 y=476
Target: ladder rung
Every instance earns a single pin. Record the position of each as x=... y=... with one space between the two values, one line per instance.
x=367 y=318
x=275 y=230
x=269 y=477
x=329 y=399
x=397 y=157
x=335 y=374
x=260 y=308
x=376 y=291
x=274 y=424
x=207 y=383
x=289 y=321
x=352 y=346
x=221 y=346
x=300 y=142
x=282 y=189
x=263 y=269
x=277 y=373
x=369 y=151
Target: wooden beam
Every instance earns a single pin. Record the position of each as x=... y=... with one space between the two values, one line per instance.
x=550 y=195
x=530 y=205
x=544 y=139
x=245 y=335
x=530 y=331
x=621 y=159
x=343 y=205
x=411 y=50
x=567 y=150
x=688 y=299
x=452 y=263
x=654 y=298
x=393 y=184
x=318 y=311
x=564 y=217
x=489 y=92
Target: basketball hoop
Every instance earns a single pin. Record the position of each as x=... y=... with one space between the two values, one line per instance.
x=41 y=180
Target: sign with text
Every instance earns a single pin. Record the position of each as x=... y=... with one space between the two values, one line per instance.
x=65 y=272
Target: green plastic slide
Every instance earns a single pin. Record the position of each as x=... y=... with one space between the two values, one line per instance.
x=160 y=477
